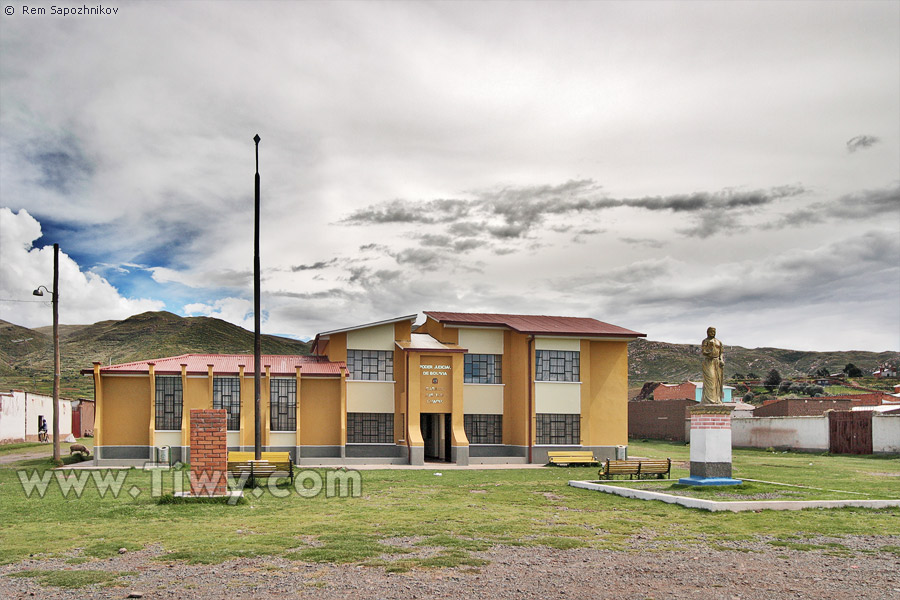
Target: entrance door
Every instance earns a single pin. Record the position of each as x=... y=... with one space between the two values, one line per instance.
x=436 y=435
x=850 y=432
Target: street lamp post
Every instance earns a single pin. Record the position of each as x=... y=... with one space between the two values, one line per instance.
x=54 y=300
x=257 y=444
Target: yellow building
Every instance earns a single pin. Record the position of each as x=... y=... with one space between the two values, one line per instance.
x=462 y=387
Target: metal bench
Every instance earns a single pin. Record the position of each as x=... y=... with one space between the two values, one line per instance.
x=569 y=457
x=642 y=468
x=244 y=465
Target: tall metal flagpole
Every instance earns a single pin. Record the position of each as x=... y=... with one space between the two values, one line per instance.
x=257 y=359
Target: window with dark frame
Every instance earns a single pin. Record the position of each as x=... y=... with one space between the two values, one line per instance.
x=557 y=365
x=370 y=428
x=370 y=365
x=283 y=404
x=483 y=368
x=484 y=429
x=168 y=403
x=558 y=430
x=227 y=395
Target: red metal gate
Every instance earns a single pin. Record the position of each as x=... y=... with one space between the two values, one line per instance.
x=850 y=432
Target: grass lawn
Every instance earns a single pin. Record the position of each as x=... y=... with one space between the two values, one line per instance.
x=457 y=513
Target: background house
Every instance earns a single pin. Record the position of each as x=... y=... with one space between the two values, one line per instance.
x=21 y=411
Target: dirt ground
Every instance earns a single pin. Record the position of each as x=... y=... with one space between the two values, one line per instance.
x=750 y=571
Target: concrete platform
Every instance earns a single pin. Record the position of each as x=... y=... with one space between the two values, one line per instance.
x=736 y=506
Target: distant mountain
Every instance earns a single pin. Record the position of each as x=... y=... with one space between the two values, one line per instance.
x=661 y=361
x=26 y=355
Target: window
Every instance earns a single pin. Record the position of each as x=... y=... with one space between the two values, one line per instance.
x=557 y=365
x=227 y=395
x=371 y=365
x=483 y=368
x=484 y=429
x=558 y=430
x=168 y=403
x=370 y=428
x=283 y=405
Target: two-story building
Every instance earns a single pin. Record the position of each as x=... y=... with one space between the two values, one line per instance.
x=461 y=387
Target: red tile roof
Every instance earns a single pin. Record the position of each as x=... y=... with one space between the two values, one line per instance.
x=537 y=324
x=229 y=363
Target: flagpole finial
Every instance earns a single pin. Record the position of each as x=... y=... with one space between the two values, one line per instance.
x=256 y=138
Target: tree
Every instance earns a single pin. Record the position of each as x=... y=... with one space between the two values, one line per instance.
x=748 y=398
x=852 y=370
x=772 y=379
x=752 y=375
x=822 y=372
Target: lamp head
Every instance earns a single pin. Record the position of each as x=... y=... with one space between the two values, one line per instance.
x=37 y=292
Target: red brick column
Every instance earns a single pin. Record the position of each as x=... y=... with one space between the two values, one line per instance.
x=209 y=453
x=710 y=421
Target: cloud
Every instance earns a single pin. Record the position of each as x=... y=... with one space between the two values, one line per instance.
x=873 y=204
x=234 y=310
x=84 y=297
x=648 y=242
x=316 y=266
x=861 y=142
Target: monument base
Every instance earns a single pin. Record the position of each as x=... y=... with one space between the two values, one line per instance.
x=709 y=481
x=710 y=446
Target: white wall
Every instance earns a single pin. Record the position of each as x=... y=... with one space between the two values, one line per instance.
x=19 y=414
x=798 y=433
x=481 y=341
x=380 y=337
x=12 y=418
x=886 y=433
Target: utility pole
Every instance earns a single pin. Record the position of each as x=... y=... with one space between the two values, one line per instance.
x=54 y=301
x=56 y=453
x=257 y=359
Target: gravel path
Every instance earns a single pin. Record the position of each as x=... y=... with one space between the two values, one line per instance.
x=751 y=571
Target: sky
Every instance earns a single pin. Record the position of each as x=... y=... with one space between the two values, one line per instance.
x=662 y=166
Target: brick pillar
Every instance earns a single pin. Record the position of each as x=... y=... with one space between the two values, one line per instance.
x=209 y=453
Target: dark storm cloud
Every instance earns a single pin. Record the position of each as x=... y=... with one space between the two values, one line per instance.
x=861 y=142
x=316 y=266
x=401 y=211
x=508 y=213
x=861 y=205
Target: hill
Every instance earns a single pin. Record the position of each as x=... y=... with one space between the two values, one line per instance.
x=661 y=361
x=26 y=355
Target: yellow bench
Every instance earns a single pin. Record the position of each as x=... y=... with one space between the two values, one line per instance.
x=642 y=468
x=270 y=463
x=569 y=457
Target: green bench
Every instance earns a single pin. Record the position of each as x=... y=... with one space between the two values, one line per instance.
x=640 y=468
x=570 y=457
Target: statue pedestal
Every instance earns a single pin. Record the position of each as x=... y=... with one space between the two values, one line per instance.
x=710 y=446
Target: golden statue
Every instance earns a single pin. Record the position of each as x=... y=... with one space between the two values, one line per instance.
x=713 y=368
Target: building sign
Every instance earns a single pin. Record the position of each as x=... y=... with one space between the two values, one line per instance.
x=436 y=382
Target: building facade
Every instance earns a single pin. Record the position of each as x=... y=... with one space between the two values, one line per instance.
x=467 y=388
x=21 y=415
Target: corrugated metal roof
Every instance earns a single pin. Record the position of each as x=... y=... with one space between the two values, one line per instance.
x=230 y=363
x=537 y=324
